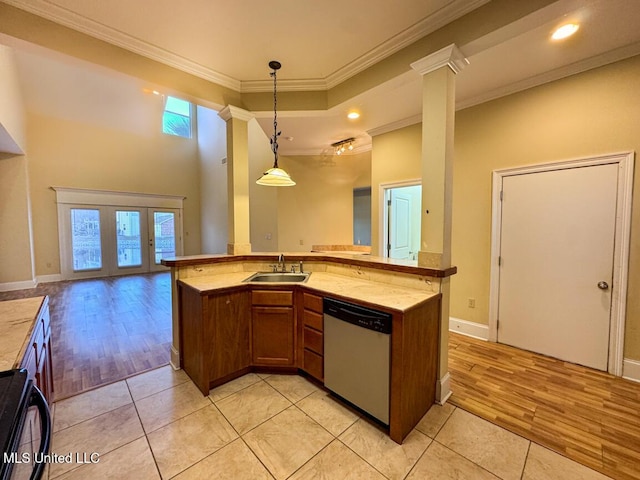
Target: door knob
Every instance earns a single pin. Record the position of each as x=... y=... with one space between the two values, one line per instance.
x=603 y=285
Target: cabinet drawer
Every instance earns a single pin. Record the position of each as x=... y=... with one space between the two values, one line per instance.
x=312 y=319
x=312 y=302
x=313 y=340
x=314 y=364
x=272 y=297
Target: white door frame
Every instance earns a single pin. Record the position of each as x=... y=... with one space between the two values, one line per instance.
x=625 y=162
x=384 y=217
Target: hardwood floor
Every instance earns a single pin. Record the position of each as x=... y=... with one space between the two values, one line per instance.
x=586 y=415
x=105 y=330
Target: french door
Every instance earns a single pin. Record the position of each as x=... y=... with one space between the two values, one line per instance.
x=101 y=240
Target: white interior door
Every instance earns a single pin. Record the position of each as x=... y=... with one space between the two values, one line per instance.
x=164 y=238
x=556 y=262
x=400 y=225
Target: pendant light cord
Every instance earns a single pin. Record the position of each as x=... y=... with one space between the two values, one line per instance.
x=276 y=134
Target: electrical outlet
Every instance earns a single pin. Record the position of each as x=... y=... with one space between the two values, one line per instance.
x=301 y=242
x=471 y=303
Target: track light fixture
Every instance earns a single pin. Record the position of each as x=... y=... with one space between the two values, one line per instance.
x=343 y=145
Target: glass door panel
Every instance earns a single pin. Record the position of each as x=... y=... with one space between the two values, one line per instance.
x=128 y=239
x=86 y=244
x=164 y=235
x=164 y=241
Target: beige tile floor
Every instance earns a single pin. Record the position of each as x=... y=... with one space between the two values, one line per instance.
x=158 y=425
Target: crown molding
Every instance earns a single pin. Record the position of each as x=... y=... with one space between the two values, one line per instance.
x=62 y=16
x=428 y=25
x=450 y=56
x=97 y=30
x=230 y=111
x=590 y=63
x=390 y=127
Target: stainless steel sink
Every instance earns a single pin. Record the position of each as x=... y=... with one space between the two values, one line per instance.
x=278 y=277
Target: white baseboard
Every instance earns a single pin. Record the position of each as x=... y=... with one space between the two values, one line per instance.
x=9 y=286
x=175 y=358
x=470 y=329
x=631 y=369
x=57 y=277
x=443 y=389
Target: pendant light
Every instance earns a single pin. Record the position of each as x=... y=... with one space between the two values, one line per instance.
x=275 y=177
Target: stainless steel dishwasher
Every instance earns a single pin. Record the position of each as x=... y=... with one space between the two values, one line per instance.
x=357 y=352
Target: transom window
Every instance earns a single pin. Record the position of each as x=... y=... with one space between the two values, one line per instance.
x=176 y=119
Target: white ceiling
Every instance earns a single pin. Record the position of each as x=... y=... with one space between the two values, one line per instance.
x=320 y=44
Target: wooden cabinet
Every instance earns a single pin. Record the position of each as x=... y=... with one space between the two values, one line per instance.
x=214 y=336
x=272 y=327
x=37 y=356
x=312 y=327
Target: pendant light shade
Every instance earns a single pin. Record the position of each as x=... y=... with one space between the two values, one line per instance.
x=275 y=177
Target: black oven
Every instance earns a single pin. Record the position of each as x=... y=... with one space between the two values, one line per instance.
x=25 y=427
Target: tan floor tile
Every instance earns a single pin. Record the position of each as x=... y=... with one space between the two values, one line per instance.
x=250 y=407
x=155 y=381
x=169 y=405
x=434 y=419
x=501 y=452
x=132 y=461
x=543 y=464
x=377 y=448
x=440 y=463
x=233 y=386
x=293 y=387
x=287 y=441
x=90 y=404
x=100 y=434
x=328 y=412
x=233 y=462
x=337 y=461
x=183 y=443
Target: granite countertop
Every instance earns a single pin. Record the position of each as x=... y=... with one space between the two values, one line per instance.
x=376 y=293
x=17 y=318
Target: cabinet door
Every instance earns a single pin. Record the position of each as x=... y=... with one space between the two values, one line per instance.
x=230 y=326
x=272 y=335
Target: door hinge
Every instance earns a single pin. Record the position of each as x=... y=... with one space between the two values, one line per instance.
x=388 y=203
x=499 y=261
x=501 y=195
x=497 y=324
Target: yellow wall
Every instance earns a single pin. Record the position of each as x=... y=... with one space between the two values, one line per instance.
x=588 y=114
x=65 y=153
x=319 y=209
x=584 y=115
x=395 y=157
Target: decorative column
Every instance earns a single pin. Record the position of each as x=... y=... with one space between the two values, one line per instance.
x=239 y=242
x=438 y=72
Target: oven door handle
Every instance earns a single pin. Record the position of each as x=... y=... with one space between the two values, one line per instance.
x=38 y=400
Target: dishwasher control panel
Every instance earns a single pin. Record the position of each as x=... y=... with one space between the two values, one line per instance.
x=357 y=315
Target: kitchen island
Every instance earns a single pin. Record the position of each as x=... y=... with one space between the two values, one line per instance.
x=225 y=327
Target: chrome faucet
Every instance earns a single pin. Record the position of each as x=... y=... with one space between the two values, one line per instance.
x=281 y=264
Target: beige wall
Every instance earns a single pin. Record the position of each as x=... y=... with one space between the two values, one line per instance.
x=212 y=146
x=80 y=155
x=588 y=114
x=263 y=201
x=395 y=157
x=12 y=123
x=15 y=231
x=319 y=209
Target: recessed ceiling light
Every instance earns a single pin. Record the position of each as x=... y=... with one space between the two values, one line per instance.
x=353 y=115
x=565 y=31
